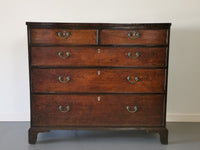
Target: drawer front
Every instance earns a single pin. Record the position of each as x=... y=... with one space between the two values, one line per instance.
x=63 y=36
x=98 y=80
x=86 y=110
x=134 y=37
x=94 y=56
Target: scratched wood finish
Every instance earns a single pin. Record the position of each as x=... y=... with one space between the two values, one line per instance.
x=146 y=37
x=98 y=56
x=86 y=110
x=88 y=80
x=50 y=36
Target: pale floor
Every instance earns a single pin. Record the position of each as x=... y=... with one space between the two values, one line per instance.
x=182 y=136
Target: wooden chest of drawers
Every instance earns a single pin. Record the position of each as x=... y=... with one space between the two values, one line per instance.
x=98 y=76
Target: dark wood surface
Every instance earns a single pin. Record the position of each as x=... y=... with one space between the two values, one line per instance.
x=162 y=131
x=50 y=36
x=88 y=80
x=151 y=67
x=59 y=25
x=98 y=56
x=88 y=111
x=146 y=37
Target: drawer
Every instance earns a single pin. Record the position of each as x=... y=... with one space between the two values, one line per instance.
x=138 y=37
x=87 y=110
x=98 y=80
x=63 y=36
x=98 y=56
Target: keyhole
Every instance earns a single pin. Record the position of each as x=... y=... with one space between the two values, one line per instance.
x=99 y=98
x=98 y=72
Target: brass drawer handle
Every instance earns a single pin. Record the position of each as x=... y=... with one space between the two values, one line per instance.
x=134 y=34
x=64 y=34
x=60 y=78
x=67 y=108
x=60 y=54
x=129 y=79
x=131 y=111
x=137 y=54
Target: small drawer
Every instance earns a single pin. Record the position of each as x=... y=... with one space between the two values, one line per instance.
x=137 y=37
x=63 y=36
x=97 y=80
x=97 y=110
x=98 y=56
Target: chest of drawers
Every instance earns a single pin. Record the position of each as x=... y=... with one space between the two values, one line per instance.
x=98 y=77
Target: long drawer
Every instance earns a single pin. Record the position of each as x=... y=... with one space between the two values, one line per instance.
x=63 y=36
x=98 y=56
x=97 y=110
x=98 y=80
x=136 y=37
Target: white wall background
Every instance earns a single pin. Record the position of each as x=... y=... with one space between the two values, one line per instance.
x=184 y=73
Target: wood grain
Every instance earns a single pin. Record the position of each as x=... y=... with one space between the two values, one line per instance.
x=88 y=80
x=49 y=36
x=107 y=56
x=81 y=92
x=121 y=37
x=86 y=110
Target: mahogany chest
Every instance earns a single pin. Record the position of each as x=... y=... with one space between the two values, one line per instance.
x=98 y=76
